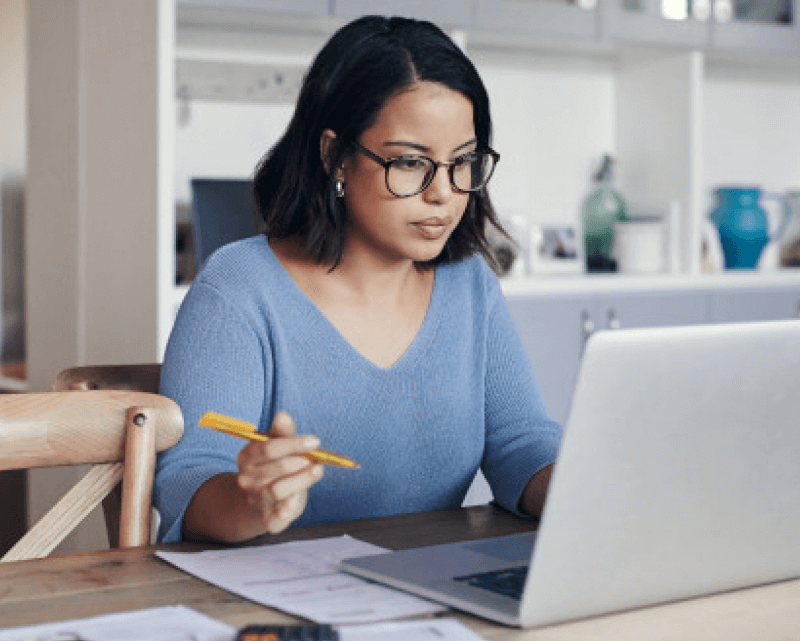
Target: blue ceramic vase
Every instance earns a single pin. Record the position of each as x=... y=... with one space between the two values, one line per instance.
x=743 y=224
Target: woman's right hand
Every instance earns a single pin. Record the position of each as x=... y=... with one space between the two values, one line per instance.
x=275 y=476
x=268 y=492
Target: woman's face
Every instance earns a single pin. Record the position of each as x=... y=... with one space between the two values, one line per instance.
x=431 y=120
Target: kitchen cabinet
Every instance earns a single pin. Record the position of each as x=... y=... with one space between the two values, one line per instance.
x=553 y=329
x=651 y=309
x=526 y=18
x=286 y=7
x=682 y=22
x=756 y=304
x=732 y=25
x=538 y=18
x=449 y=14
x=767 y=26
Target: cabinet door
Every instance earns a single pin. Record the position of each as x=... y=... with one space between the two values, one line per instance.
x=674 y=22
x=445 y=13
x=299 y=7
x=653 y=309
x=769 y=26
x=549 y=18
x=756 y=304
x=553 y=329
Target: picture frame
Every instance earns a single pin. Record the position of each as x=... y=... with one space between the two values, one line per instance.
x=555 y=249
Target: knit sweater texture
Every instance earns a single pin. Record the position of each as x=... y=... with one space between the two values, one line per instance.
x=247 y=342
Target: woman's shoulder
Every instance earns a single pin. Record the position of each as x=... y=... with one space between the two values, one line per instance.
x=244 y=274
x=471 y=278
x=238 y=264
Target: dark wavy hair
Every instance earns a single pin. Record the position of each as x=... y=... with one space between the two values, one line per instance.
x=364 y=63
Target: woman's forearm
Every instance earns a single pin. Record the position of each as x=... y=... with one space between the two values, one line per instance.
x=220 y=511
x=535 y=493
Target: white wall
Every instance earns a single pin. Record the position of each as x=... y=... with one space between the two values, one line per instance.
x=224 y=140
x=12 y=81
x=553 y=118
x=752 y=128
x=227 y=139
x=13 y=155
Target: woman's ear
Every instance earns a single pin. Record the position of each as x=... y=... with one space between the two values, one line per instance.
x=327 y=144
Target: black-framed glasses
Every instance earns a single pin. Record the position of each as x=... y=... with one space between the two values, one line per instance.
x=410 y=175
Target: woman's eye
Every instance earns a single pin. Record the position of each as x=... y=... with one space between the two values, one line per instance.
x=465 y=161
x=411 y=164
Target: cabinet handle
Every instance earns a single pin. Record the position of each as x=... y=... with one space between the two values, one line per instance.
x=613 y=321
x=587 y=328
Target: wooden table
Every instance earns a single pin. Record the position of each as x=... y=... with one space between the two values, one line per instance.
x=118 y=580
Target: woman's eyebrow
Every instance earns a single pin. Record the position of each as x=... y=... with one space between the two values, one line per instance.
x=424 y=148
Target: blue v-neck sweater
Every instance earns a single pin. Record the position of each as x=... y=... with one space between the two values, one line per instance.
x=248 y=342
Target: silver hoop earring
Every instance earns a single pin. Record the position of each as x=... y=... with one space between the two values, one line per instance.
x=338 y=185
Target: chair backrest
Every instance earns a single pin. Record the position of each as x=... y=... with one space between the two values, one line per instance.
x=119 y=432
x=141 y=377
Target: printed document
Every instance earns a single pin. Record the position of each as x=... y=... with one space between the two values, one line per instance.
x=179 y=623
x=171 y=623
x=301 y=578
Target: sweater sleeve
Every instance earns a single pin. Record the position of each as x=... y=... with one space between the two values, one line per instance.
x=521 y=439
x=215 y=361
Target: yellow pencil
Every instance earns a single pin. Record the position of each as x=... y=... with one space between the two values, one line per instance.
x=243 y=429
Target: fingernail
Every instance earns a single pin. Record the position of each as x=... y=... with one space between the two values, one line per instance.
x=311 y=442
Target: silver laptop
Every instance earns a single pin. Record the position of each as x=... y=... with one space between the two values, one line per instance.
x=678 y=476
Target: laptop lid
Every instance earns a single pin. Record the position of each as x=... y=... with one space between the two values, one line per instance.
x=678 y=474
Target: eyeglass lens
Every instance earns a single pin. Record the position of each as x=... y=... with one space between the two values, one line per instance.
x=411 y=175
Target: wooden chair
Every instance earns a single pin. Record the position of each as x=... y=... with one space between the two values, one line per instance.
x=119 y=432
x=143 y=377
x=138 y=377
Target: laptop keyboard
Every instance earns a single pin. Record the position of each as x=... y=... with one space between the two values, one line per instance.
x=508 y=582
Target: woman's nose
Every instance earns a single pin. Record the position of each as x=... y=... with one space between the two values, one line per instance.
x=440 y=189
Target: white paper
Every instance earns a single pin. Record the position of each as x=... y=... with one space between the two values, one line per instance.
x=418 y=630
x=302 y=578
x=171 y=623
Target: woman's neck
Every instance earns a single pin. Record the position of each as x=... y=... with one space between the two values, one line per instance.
x=360 y=277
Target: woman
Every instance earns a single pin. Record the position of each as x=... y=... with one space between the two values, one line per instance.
x=365 y=318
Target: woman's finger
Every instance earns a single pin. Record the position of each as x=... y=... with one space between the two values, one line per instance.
x=257 y=475
x=282 y=425
x=284 y=513
x=260 y=452
x=286 y=486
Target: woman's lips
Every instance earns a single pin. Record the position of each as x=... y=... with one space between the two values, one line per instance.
x=432 y=228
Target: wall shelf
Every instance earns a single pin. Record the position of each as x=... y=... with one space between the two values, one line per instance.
x=608 y=283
